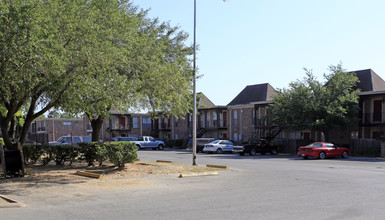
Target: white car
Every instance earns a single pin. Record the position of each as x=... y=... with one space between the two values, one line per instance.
x=218 y=146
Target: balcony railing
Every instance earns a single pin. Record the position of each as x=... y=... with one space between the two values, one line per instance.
x=262 y=123
x=373 y=118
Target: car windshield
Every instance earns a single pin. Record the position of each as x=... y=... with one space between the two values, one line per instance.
x=314 y=145
x=64 y=140
x=215 y=142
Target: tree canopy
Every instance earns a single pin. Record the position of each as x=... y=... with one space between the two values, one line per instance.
x=311 y=104
x=88 y=56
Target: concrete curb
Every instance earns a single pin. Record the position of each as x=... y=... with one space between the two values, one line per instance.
x=185 y=175
x=218 y=166
x=163 y=161
x=11 y=203
x=88 y=174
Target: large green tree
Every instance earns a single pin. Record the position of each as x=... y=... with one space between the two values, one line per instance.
x=138 y=64
x=44 y=45
x=310 y=104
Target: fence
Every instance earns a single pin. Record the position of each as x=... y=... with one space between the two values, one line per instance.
x=359 y=147
x=41 y=138
x=290 y=146
x=365 y=147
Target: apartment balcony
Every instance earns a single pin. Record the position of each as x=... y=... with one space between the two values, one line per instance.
x=120 y=128
x=214 y=125
x=376 y=118
x=262 y=123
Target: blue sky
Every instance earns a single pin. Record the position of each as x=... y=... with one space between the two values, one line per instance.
x=247 y=42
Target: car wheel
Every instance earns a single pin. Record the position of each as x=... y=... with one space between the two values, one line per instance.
x=273 y=152
x=137 y=147
x=322 y=155
x=242 y=153
x=252 y=152
x=219 y=151
x=305 y=157
x=345 y=154
x=160 y=147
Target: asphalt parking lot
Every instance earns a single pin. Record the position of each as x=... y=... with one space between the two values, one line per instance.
x=255 y=187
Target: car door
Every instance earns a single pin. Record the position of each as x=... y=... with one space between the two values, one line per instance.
x=230 y=145
x=151 y=142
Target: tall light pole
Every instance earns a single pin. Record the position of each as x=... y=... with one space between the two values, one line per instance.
x=194 y=132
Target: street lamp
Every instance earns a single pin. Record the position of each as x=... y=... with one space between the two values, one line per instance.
x=194 y=133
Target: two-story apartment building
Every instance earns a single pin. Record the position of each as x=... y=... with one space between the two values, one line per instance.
x=55 y=128
x=371 y=103
x=124 y=124
x=248 y=113
x=211 y=122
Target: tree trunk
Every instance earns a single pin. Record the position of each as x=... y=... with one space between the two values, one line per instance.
x=5 y=131
x=327 y=135
x=96 y=124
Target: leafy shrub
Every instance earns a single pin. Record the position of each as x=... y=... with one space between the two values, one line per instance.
x=32 y=152
x=120 y=153
x=2 y=141
x=63 y=153
x=93 y=151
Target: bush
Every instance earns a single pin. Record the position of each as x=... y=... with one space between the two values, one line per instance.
x=120 y=153
x=62 y=153
x=93 y=151
x=32 y=152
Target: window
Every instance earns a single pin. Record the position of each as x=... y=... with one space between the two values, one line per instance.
x=146 y=122
x=235 y=137
x=235 y=117
x=215 y=119
x=135 y=122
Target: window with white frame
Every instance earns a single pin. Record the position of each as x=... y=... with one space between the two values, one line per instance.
x=146 y=122
x=135 y=123
x=235 y=117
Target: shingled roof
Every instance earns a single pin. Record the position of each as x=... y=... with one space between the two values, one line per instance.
x=254 y=93
x=203 y=101
x=369 y=81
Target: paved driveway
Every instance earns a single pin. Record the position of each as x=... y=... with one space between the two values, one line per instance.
x=258 y=187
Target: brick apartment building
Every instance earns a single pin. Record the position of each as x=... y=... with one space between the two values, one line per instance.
x=57 y=127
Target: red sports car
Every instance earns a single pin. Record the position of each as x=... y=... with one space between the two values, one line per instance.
x=323 y=150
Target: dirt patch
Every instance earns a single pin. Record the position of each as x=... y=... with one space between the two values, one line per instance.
x=135 y=175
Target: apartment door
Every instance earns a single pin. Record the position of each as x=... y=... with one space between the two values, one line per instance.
x=377 y=111
x=122 y=123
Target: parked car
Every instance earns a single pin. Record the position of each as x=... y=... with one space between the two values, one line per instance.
x=109 y=140
x=149 y=142
x=200 y=143
x=323 y=150
x=68 y=140
x=218 y=146
x=254 y=146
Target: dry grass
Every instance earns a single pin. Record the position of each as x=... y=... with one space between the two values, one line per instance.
x=135 y=175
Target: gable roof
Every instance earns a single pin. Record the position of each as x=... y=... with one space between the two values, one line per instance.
x=369 y=81
x=203 y=101
x=254 y=93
